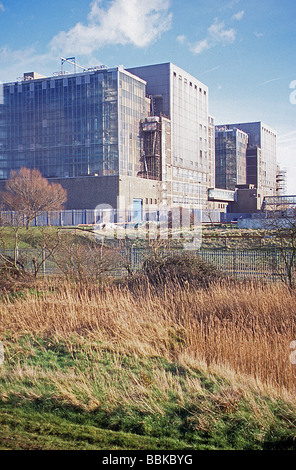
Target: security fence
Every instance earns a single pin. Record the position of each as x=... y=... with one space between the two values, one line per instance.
x=261 y=264
x=63 y=218
x=251 y=264
x=240 y=264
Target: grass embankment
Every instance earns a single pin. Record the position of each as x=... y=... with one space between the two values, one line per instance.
x=177 y=368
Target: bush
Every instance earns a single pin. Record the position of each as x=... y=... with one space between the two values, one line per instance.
x=185 y=269
x=83 y=260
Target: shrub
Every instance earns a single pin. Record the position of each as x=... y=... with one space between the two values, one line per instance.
x=185 y=269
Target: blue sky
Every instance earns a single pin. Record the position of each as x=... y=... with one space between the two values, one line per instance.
x=244 y=51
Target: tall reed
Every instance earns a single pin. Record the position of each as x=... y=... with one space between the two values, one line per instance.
x=242 y=329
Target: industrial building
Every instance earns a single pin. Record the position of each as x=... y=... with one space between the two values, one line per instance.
x=183 y=100
x=132 y=139
x=231 y=162
x=281 y=181
x=261 y=156
x=246 y=162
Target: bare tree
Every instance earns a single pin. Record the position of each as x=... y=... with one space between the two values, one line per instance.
x=82 y=259
x=28 y=193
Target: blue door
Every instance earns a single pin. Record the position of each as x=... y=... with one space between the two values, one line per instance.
x=137 y=210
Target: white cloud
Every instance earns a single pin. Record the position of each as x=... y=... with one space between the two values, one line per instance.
x=181 y=39
x=231 y=4
x=289 y=138
x=213 y=69
x=136 y=22
x=217 y=34
x=271 y=80
x=2 y=7
x=14 y=62
x=238 y=16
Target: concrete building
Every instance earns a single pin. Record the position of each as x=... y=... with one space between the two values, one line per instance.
x=131 y=139
x=261 y=156
x=281 y=181
x=82 y=130
x=230 y=155
x=183 y=100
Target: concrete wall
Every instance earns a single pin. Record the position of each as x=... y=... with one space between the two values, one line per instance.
x=228 y=217
x=89 y=191
x=254 y=224
x=247 y=201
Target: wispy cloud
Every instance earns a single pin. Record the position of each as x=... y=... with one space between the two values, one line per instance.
x=213 y=69
x=289 y=138
x=231 y=4
x=135 y=22
x=216 y=34
x=238 y=16
x=181 y=39
x=16 y=61
x=271 y=80
x=2 y=7
x=258 y=35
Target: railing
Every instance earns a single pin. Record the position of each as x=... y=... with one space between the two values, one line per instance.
x=261 y=264
x=240 y=264
x=251 y=264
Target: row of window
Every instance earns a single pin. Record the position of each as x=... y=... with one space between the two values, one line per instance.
x=189 y=174
x=186 y=188
x=188 y=82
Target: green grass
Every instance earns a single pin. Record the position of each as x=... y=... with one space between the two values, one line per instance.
x=81 y=394
x=30 y=429
x=212 y=237
x=27 y=239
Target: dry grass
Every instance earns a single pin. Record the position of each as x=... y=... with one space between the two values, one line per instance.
x=241 y=331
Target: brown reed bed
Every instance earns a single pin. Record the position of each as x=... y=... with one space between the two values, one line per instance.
x=240 y=331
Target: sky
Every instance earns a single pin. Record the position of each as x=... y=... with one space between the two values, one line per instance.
x=243 y=50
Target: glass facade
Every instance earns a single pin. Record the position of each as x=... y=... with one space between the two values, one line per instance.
x=183 y=99
x=231 y=148
x=72 y=125
x=264 y=138
x=132 y=109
